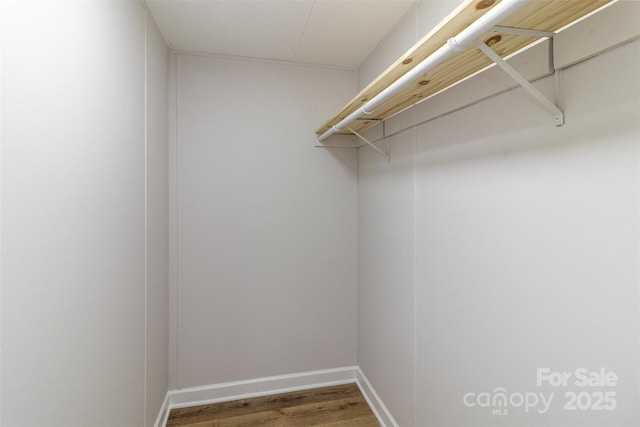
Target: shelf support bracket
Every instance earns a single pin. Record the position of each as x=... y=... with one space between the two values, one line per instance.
x=371 y=144
x=558 y=116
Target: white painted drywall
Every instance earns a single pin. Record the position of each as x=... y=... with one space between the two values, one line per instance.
x=173 y=225
x=157 y=193
x=73 y=215
x=386 y=314
x=266 y=223
x=527 y=248
x=523 y=253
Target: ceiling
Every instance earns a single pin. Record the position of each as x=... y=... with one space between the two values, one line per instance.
x=325 y=32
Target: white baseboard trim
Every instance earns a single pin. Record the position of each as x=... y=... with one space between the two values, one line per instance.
x=246 y=389
x=260 y=387
x=163 y=415
x=375 y=403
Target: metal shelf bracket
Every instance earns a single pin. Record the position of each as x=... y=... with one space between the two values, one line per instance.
x=558 y=116
x=370 y=144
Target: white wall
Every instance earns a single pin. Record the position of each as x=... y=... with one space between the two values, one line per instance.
x=386 y=315
x=266 y=223
x=73 y=215
x=506 y=245
x=157 y=250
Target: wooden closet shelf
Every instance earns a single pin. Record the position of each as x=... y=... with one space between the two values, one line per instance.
x=541 y=15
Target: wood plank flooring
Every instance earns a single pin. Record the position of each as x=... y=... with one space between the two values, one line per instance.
x=341 y=405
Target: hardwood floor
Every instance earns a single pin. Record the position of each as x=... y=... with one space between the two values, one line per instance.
x=341 y=405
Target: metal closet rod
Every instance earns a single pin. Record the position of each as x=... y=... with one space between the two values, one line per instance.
x=454 y=45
